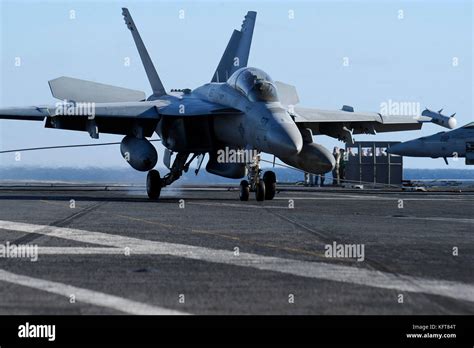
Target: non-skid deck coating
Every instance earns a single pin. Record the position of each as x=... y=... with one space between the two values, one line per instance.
x=201 y=251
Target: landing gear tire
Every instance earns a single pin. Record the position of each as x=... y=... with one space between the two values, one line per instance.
x=269 y=178
x=244 y=190
x=260 y=191
x=153 y=184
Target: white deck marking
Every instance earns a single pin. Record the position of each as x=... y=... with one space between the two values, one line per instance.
x=371 y=198
x=296 y=198
x=307 y=269
x=86 y=296
x=43 y=250
x=434 y=218
x=242 y=205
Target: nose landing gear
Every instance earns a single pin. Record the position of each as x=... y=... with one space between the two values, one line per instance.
x=269 y=178
x=260 y=190
x=264 y=187
x=244 y=190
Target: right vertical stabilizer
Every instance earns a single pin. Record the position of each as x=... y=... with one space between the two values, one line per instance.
x=236 y=54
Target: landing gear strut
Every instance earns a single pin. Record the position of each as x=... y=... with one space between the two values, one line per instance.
x=264 y=187
x=154 y=182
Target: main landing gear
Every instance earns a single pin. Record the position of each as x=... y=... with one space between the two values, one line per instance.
x=264 y=187
x=154 y=182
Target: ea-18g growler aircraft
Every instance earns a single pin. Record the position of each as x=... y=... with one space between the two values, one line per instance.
x=241 y=109
x=456 y=143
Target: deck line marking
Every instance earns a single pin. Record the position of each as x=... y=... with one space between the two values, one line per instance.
x=44 y=250
x=307 y=269
x=434 y=218
x=86 y=296
x=237 y=205
x=369 y=198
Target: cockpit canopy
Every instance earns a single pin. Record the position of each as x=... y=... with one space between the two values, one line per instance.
x=254 y=83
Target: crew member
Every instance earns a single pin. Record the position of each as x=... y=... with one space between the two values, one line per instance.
x=342 y=165
x=335 y=171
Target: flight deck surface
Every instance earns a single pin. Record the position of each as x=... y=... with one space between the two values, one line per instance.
x=199 y=250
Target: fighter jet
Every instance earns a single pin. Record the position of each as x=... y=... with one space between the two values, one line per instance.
x=456 y=143
x=241 y=109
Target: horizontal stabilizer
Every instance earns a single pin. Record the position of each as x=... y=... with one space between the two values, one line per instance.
x=68 y=88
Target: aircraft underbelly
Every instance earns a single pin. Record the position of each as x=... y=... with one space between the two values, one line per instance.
x=186 y=134
x=445 y=149
x=230 y=130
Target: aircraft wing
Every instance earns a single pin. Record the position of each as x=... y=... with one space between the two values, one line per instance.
x=31 y=113
x=341 y=124
x=114 y=118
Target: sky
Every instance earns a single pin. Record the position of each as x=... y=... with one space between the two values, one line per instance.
x=358 y=53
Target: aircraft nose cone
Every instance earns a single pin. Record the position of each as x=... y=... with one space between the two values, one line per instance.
x=407 y=148
x=402 y=149
x=284 y=140
x=395 y=149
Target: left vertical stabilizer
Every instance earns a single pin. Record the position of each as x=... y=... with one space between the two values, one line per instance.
x=153 y=77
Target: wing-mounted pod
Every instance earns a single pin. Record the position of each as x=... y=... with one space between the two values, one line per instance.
x=139 y=153
x=440 y=119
